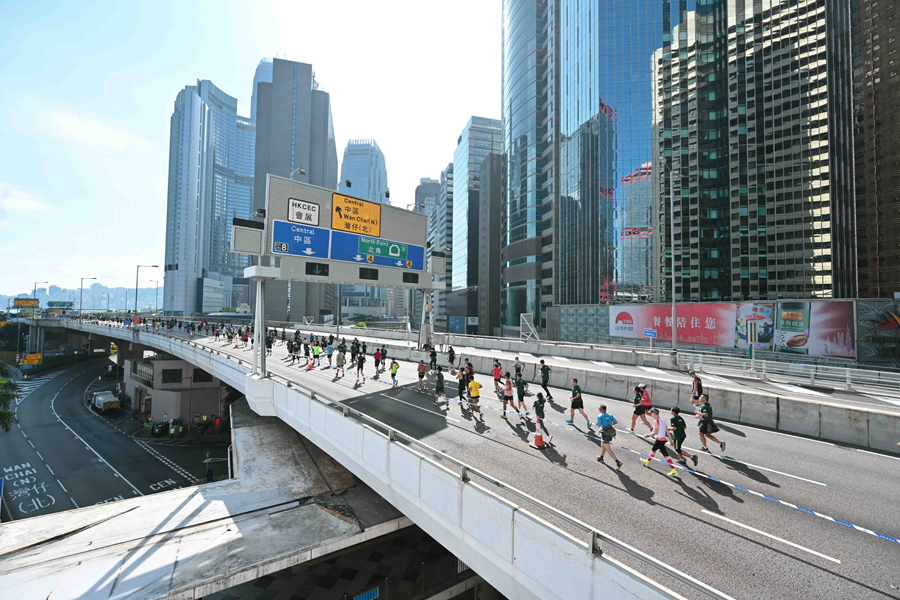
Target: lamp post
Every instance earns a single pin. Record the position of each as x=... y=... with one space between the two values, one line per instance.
x=34 y=295
x=81 y=295
x=190 y=403
x=136 y=276
x=301 y=170
x=156 y=297
x=107 y=302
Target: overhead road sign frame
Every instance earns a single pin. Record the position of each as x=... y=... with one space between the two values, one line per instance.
x=349 y=247
x=355 y=215
x=26 y=303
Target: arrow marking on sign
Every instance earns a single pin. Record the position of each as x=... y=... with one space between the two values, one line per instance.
x=358 y=257
x=399 y=263
x=337 y=209
x=308 y=251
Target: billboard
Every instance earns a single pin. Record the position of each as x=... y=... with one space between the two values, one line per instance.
x=60 y=304
x=816 y=328
x=26 y=303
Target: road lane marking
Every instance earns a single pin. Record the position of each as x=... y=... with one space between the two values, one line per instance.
x=39 y=455
x=722 y=380
x=652 y=370
x=879 y=454
x=769 y=535
x=62 y=486
x=893 y=401
x=600 y=363
x=798 y=390
x=796 y=437
x=430 y=412
x=701 y=453
x=32 y=445
x=75 y=503
x=49 y=469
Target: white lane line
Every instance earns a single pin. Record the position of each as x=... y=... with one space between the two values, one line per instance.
x=430 y=412
x=51 y=470
x=652 y=370
x=878 y=454
x=32 y=445
x=62 y=486
x=39 y=455
x=600 y=363
x=722 y=380
x=97 y=454
x=562 y=358
x=894 y=401
x=796 y=437
x=700 y=453
x=26 y=437
x=75 y=503
x=769 y=535
x=798 y=390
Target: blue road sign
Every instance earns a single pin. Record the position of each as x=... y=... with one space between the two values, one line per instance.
x=650 y=333
x=299 y=240
x=349 y=247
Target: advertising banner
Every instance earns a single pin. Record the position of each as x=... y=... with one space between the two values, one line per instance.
x=817 y=328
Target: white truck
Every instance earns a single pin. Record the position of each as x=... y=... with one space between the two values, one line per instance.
x=104 y=401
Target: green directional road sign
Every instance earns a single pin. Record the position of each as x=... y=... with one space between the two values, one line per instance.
x=376 y=247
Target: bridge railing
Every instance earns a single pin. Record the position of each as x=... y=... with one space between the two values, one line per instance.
x=595 y=540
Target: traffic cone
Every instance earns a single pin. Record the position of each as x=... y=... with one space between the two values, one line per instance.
x=538 y=437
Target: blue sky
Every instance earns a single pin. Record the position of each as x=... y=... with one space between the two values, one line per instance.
x=88 y=88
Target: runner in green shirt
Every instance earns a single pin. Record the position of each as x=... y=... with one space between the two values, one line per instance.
x=678 y=435
x=577 y=404
x=707 y=425
x=394 y=368
x=439 y=393
x=545 y=379
x=538 y=406
x=521 y=390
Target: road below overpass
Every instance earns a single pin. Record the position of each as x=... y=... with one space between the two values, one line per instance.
x=744 y=544
x=62 y=455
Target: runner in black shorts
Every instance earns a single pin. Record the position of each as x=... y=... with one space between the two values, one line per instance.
x=639 y=409
x=677 y=429
x=577 y=404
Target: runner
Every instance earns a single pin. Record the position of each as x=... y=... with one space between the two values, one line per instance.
x=474 y=393
x=341 y=360
x=433 y=364
x=577 y=404
x=377 y=359
x=383 y=357
x=545 y=379
x=538 y=406
x=421 y=370
x=394 y=368
x=451 y=357
x=696 y=391
x=521 y=390
x=354 y=350
x=329 y=350
x=519 y=365
x=677 y=431
x=360 y=362
x=439 y=392
x=606 y=424
x=316 y=351
x=639 y=410
x=498 y=373
x=461 y=383
x=508 y=397
x=660 y=436
x=707 y=425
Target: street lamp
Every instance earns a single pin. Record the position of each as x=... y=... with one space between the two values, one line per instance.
x=386 y=194
x=136 y=275
x=301 y=170
x=156 y=297
x=107 y=302
x=34 y=295
x=81 y=295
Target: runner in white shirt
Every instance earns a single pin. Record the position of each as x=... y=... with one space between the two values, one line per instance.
x=660 y=436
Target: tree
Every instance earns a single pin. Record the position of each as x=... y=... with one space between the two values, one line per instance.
x=8 y=392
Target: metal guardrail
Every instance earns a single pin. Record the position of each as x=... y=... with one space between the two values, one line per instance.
x=767 y=369
x=463 y=470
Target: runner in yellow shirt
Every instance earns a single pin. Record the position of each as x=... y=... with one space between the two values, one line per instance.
x=474 y=393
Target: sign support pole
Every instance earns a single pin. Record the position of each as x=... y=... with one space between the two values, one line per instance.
x=260 y=333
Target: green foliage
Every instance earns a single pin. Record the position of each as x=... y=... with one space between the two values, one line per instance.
x=8 y=391
x=361 y=325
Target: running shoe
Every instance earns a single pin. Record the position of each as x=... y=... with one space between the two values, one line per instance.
x=645 y=462
x=570 y=421
x=705 y=450
x=527 y=415
x=521 y=417
x=600 y=459
x=589 y=425
x=549 y=397
x=503 y=415
x=696 y=416
x=672 y=473
x=694 y=458
x=722 y=446
x=618 y=465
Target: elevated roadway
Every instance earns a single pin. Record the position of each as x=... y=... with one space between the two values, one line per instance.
x=732 y=523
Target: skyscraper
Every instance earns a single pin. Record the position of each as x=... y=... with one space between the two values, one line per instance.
x=364 y=167
x=440 y=238
x=424 y=202
x=479 y=138
x=876 y=88
x=489 y=233
x=634 y=264
x=294 y=129
x=263 y=74
x=753 y=112
x=211 y=152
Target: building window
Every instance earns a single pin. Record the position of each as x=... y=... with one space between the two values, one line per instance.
x=171 y=375
x=201 y=376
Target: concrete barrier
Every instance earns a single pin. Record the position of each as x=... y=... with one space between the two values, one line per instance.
x=664 y=394
x=726 y=404
x=560 y=378
x=884 y=431
x=619 y=386
x=759 y=409
x=797 y=416
x=596 y=383
x=844 y=424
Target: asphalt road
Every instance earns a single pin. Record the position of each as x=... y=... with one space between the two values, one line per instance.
x=62 y=455
x=744 y=545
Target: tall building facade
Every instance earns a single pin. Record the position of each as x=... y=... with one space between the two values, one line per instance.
x=211 y=168
x=876 y=102
x=753 y=116
x=294 y=129
x=577 y=119
x=635 y=232
x=440 y=238
x=489 y=232
x=479 y=138
x=263 y=74
x=424 y=202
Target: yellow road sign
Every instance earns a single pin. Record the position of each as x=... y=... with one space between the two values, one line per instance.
x=32 y=361
x=29 y=303
x=409 y=264
x=370 y=258
x=355 y=215
x=32 y=357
